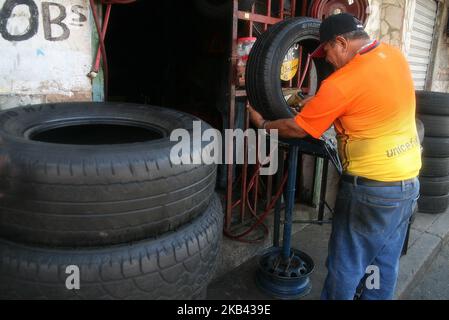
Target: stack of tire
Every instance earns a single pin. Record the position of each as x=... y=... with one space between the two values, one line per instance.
x=433 y=111
x=92 y=207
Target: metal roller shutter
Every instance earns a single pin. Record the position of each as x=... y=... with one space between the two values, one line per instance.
x=423 y=25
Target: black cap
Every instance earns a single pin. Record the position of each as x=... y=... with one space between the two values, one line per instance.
x=333 y=26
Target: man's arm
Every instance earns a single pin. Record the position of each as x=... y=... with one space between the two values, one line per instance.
x=287 y=128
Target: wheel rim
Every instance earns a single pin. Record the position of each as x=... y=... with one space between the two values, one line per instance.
x=321 y=9
x=304 y=78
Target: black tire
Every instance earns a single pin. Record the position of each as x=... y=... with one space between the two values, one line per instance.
x=434 y=167
x=436 y=126
x=428 y=102
x=429 y=204
x=178 y=265
x=263 y=83
x=87 y=195
x=436 y=147
x=420 y=129
x=434 y=186
x=253 y=62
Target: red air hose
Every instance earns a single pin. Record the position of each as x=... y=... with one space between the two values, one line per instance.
x=101 y=36
x=261 y=218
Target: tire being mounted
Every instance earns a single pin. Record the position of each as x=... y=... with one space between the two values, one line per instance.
x=82 y=188
x=262 y=76
x=178 y=265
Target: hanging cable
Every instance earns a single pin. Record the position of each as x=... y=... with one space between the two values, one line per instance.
x=101 y=37
x=261 y=218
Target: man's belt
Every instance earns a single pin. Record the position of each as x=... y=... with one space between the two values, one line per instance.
x=356 y=180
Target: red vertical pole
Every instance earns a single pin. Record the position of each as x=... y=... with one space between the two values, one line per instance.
x=293 y=6
x=269 y=190
x=231 y=97
x=299 y=68
x=281 y=6
x=304 y=8
x=250 y=33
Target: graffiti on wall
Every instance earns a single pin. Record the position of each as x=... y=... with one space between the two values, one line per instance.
x=53 y=15
x=46 y=51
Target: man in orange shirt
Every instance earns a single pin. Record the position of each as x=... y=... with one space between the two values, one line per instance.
x=370 y=100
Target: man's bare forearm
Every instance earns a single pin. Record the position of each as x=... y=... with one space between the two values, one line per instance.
x=287 y=128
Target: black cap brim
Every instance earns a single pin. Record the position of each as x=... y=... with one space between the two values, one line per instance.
x=319 y=52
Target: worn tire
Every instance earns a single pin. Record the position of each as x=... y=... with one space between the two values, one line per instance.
x=87 y=195
x=178 y=265
x=433 y=204
x=436 y=147
x=262 y=76
x=434 y=186
x=436 y=126
x=436 y=103
x=434 y=167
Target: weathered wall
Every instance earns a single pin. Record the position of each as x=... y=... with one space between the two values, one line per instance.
x=386 y=21
x=440 y=74
x=46 y=51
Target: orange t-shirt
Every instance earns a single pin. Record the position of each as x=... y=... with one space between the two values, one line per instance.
x=371 y=102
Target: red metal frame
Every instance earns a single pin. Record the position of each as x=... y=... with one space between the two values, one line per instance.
x=244 y=201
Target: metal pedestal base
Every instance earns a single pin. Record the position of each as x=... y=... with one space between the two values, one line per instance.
x=285 y=278
x=283 y=271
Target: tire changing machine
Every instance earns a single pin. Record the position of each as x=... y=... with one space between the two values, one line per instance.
x=283 y=272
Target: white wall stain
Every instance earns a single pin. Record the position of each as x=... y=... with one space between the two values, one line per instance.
x=53 y=61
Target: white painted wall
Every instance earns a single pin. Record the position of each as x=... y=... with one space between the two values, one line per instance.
x=46 y=52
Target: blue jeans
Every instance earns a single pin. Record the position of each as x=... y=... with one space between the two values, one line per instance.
x=368 y=229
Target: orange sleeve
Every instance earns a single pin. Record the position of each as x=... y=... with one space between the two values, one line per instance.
x=320 y=112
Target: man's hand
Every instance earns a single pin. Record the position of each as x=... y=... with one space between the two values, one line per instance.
x=255 y=117
x=287 y=128
x=303 y=102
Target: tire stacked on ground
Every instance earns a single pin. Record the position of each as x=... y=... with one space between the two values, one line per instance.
x=433 y=111
x=92 y=185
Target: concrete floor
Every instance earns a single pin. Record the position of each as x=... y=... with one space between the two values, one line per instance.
x=435 y=283
x=429 y=235
x=239 y=284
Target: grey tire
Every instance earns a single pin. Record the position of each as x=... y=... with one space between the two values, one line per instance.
x=429 y=102
x=89 y=174
x=435 y=125
x=434 y=186
x=433 y=204
x=178 y=265
x=436 y=147
x=434 y=167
